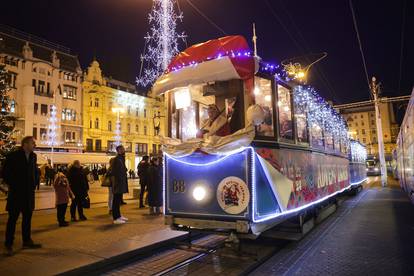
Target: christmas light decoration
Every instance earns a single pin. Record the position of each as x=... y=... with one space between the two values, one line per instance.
x=320 y=113
x=125 y=99
x=161 y=43
x=53 y=128
x=358 y=152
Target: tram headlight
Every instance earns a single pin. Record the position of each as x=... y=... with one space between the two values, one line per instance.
x=199 y=193
x=376 y=169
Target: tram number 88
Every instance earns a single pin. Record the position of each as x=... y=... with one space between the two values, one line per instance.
x=178 y=186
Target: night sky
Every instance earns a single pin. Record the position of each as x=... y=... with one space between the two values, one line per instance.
x=113 y=31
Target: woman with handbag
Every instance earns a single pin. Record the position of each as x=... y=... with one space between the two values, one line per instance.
x=79 y=186
x=107 y=181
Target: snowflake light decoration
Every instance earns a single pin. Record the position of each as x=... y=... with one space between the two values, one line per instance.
x=161 y=43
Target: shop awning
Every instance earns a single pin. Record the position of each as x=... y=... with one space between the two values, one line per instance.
x=69 y=157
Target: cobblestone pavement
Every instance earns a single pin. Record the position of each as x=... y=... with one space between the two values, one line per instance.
x=81 y=243
x=370 y=234
x=45 y=197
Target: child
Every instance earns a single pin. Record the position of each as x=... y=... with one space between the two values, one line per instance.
x=62 y=193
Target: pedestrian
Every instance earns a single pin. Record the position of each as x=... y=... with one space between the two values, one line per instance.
x=155 y=186
x=120 y=184
x=107 y=181
x=143 y=175
x=79 y=186
x=49 y=173
x=62 y=195
x=20 y=174
x=38 y=174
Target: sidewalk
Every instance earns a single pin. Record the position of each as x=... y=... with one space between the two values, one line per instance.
x=370 y=234
x=81 y=243
x=45 y=196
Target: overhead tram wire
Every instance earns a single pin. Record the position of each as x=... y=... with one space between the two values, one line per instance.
x=319 y=71
x=360 y=46
x=402 y=45
x=297 y=44
x=206 y=17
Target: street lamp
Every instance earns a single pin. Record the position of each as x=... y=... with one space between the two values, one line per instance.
x=118 y=111
x=294 y=68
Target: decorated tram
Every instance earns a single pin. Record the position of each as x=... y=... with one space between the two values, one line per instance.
x=247 y=146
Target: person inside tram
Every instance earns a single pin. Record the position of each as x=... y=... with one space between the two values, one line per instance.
x=216 y=124
x=285 y=126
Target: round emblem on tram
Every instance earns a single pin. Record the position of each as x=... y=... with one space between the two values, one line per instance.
x=233 y=195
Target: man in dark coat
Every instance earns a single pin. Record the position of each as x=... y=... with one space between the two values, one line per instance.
x=79 y=186
x=143 y=174
x=155 y=186
x=120 y=185
x=21 y=175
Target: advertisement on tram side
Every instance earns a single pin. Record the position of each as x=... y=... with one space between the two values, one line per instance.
x=303 y=177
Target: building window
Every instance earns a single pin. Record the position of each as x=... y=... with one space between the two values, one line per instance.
x=129 y=110
x=69 y=92
x=68 y=114
x=136 y=128
x=362 y=124
x=11 y=79
x=363 y=131
x=154 y=148
x=43 y=109
x=97 y=123
x=109 y=125
x=145 y=130
x=364 y=140
x=263 y=97
x=141 y=148
x=96 y=102
x=98 y=145
x=35 y=108
x=10 y=61
x=145 y=113
x=362 y=116
x=89 y=144
x=129 y=128
x=41 y=87
x=137 y=111
x=43 y=134
x=90 y=123
x=34 y=132
x=356 y=124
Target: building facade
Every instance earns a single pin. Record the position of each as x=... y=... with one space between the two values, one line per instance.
x=114 y=112
x=362 y=126
x=43 y=74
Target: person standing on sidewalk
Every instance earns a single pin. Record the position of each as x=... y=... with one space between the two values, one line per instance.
x=155 y=187
x=107 y=181
x=143 y=174
x=79 y=186
x=120 y=185
x=20 y=174
x=62 y=194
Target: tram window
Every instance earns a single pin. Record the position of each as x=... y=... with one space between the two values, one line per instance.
x=301 y=123
x=317 y=136
x=329 y=140
x=285 y=112
x=263 y=97
x=188 y=122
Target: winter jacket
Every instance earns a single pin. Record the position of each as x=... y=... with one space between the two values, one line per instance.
x=21 y=175
x=155 y=186
x=62 y=189
x=78 y=181
x=119 y=173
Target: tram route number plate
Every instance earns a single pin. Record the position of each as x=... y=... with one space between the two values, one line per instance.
x=178 y=186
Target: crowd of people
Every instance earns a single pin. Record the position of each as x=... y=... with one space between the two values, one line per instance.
x=21 y=174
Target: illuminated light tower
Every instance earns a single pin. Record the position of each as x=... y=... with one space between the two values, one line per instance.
x=53 y=131
x=161 y=43
x=117 y=137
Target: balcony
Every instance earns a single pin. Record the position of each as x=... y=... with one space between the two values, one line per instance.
x=44 y=94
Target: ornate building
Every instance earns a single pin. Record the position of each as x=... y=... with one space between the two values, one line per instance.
x=43 y=74
x=114 y=112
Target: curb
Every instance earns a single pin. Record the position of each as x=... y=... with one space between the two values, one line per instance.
x=112 y=262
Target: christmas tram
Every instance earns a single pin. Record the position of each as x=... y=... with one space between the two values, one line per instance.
x=247 y=146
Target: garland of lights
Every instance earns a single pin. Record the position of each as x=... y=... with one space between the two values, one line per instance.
x=320 y=113
x=53 y=128
x=161 y=42
x=358 y=151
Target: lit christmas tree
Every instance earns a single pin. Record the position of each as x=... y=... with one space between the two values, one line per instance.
x=7 y=119
x=53 y=130
x=161 y=43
